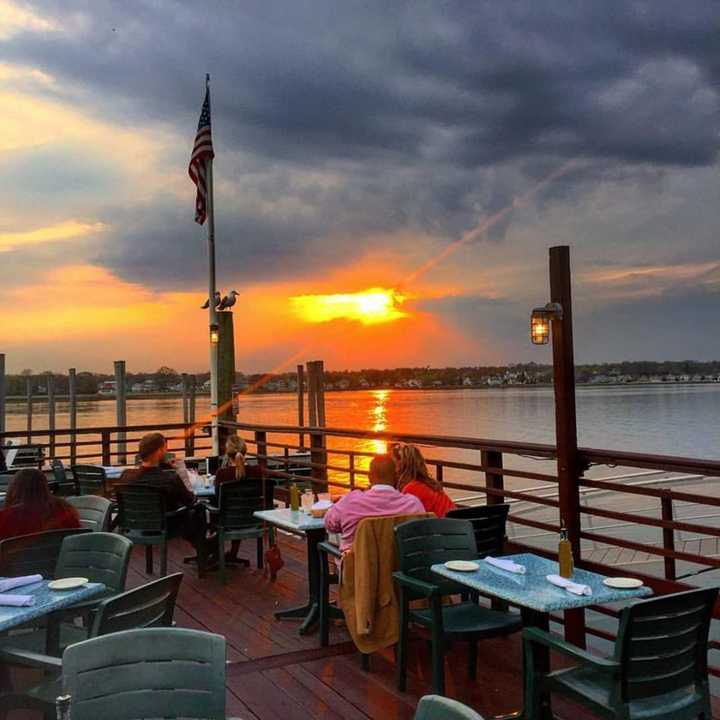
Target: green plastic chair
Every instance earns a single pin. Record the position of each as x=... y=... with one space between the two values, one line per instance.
x=436 y=707
x=421 y=544
x=234 y=517
x=94 y=511
x=34 y=553
x=148 y=606
x=489 y=522
x=168 y=673
x=89 y=480
x=658 y=671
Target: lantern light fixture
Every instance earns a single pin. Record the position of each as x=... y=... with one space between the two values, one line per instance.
x=540 y=322
x=214 y=334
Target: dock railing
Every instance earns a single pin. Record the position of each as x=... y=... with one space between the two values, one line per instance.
x=675 y=532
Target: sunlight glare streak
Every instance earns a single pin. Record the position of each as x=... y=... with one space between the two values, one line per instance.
x=369 y=307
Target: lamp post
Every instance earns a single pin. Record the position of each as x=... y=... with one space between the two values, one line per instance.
x=555 y=320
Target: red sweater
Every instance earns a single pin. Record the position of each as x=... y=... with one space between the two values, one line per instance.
x=17 y=520
x=434 y=501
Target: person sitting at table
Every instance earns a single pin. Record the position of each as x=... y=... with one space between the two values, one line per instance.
x=30 y=507
x=154 y=472
x=381 y=498
x=234 y=445
x=414 y=479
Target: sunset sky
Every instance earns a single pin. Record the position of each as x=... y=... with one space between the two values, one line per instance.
x=433 y=150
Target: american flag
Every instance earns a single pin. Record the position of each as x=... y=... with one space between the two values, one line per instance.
x=201 y=154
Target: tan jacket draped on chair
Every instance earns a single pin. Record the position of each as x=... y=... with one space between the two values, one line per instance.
x=367 y=590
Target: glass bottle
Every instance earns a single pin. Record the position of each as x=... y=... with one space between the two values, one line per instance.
x=565 y=557
x=294 y=498
x=62 y=707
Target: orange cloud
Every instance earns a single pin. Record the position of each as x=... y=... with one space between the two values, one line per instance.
x=68 y=230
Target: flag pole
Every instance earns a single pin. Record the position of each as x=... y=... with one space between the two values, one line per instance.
x=212 y=309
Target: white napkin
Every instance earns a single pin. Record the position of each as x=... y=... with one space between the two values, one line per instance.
x=16 y=600
x=16 y=582
x=505 y=564
x=569 y=585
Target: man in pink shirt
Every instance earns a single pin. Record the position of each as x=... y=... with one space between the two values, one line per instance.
x=381 y=498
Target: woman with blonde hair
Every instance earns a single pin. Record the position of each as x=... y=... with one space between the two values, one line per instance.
x=414 y=479
x=233 y=468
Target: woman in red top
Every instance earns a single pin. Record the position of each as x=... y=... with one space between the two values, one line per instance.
x=30 y=507
x=414 y=479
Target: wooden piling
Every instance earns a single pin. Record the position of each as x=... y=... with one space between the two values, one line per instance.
x=191 y=413
x=50 y=382
x=29 y=394
x=121 y=410
x=316 y=408
x=226 y=373
x=3 y=392
x=301 y=402
x=568 y=470
x=185 y=411
x=72 y=409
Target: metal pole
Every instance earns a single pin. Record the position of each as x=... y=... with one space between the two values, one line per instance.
x=72 y=392
x=121 y=410
x=211 y=296
x=565 y=419
x=51 y=412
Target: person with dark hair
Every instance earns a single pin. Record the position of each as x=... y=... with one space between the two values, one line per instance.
x=381 y=498
x=154 y=472
x=30 y=507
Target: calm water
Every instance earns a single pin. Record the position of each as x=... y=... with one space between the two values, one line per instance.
x=675 y=420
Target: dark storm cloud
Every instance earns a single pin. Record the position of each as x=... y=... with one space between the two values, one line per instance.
x=425 y=115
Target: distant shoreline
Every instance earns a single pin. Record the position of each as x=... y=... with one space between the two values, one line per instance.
x=22 y=399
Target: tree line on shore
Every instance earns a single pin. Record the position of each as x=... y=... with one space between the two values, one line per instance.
x=168 y=380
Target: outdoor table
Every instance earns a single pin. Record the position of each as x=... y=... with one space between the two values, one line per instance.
x=113 y=472
x=299 y=523
x=47 y=602
x=535 y=596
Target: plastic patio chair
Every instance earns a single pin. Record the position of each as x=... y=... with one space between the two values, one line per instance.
x=94 y=511
x=659 y=669
x=90 y=480
x=421 y=544
x=234 y=516
x=148 y=606
x=436 y=707
x=488 y=523
x=169 y=673
x=35 y=553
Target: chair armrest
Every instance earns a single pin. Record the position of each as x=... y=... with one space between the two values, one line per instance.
x=536 y=636
x=212 y=509
x=329 y=549
x=425 y=589
x=28 y=658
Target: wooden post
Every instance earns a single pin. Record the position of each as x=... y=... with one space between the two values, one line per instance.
x=493 y=459
x=226 y=373
x=301 y=401
x=29 y=392
x=50 y=380
x=316 y=404
x=72 y=392
x=3 y=391
x=191 y=413
x=185 y=412
x=106 y=448
x=565 y=420
x=121 y=410
x=666 y=504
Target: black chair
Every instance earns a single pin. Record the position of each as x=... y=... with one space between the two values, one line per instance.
x=5 y=479
x=35 y=553
x=421 y=544
x=659 y=670
x=488 y=522
x=94 y=511
x=234 y=517
x=90 y=480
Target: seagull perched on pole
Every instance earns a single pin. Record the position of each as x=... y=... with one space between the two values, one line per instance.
x=229 y=300
x=207 y=302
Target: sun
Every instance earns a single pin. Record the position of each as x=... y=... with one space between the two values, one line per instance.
x=369 y=307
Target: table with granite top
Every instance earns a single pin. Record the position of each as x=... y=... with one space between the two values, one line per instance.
x=534 y=595
x=313 y=529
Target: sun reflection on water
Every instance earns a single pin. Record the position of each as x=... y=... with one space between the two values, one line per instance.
x=377 y=421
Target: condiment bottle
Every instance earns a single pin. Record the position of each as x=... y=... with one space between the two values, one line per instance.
x=565 y=557
x=294 y=498
x=62 y=707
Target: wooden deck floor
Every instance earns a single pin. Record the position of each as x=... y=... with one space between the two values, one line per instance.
x=274 y=674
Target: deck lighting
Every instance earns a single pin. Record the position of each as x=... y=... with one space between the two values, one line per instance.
x=540 y=322
x=214 y=334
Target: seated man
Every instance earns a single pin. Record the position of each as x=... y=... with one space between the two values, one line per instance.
x=381 y=498
x=154 y=472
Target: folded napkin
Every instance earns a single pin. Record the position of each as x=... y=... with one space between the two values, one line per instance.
x=569 y=585
x=16 y=600
x=505 y=564
x=16 y=582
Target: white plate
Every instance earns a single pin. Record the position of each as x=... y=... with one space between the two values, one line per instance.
x=623 y=583
x=462 y=565
x=68 y=583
